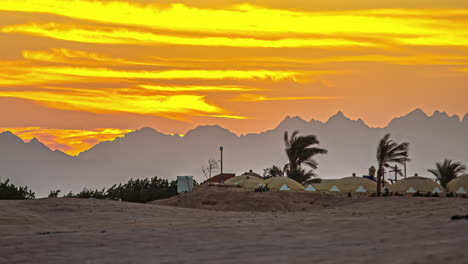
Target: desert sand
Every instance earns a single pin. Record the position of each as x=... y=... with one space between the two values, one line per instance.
x=318 y=229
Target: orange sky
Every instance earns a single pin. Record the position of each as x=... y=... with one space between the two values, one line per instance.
x=73 y=73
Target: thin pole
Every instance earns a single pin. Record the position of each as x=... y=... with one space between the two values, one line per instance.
x=404 y=165
x=221 y=149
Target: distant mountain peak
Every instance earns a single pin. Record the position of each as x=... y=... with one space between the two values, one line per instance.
x=439 y=113
x=208 y=130
x=445 y=116
x=34 y=141
x=145 y=131
x=342 y=118
x=292 y=122
x=418 y=112
x=465 y=119
x=10 y=136
x=338 y=116
x=294 y=119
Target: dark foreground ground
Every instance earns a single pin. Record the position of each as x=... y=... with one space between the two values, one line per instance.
x=363 y=230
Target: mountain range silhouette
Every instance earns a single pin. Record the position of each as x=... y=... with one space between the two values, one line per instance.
x=146 y=152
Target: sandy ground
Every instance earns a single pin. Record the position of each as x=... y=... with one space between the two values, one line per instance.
x=359 y=230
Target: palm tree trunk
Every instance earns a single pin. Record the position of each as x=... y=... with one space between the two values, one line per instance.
x=379 y=180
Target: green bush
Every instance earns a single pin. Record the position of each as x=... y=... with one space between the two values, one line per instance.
x=95 y=194
x=138 y=191
x=54 y=194
x=143 y=190
x=9 y=191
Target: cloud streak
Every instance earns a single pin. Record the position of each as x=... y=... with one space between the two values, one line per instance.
x=242 y=25
x=261 y=98
x=100 y=35
x=121 y=101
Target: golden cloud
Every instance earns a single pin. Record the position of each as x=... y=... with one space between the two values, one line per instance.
x=133 y=37
x=117 y=101
x=34 y=75
x=241 y=18
x=261 y=98
x=242 y=25
x=192 y=88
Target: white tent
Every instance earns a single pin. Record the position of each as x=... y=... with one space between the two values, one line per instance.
x=436 y=190
x=411 y=190
x=310 y=188
x=285 y=188
x=334 y=189
x=461 y=190
x=361 y=189
x=184 y=184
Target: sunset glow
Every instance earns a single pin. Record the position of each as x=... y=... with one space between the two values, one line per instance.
x=242 y=65
x=71 y=141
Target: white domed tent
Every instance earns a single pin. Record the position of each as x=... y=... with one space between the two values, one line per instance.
x=415 y=184
x=283 y=183
x=246 y=181
x=459 y=185
x=356 y=184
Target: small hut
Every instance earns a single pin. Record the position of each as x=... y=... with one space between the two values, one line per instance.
x=415 y=184
x=251 y=173
x=283 y=183
x=459 y=185
x=246 y=181
x=221 y=178
x=356 y=184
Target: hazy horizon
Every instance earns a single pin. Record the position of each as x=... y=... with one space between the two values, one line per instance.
x=43 y=134
x=77 y=73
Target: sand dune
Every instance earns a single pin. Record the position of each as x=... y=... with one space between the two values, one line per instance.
x=359 y=230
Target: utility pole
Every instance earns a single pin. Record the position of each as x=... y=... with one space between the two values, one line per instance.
x=396 y=170
x=404 y=165
x=221 y=149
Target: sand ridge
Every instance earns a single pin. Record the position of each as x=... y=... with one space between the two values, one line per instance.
x=366 y=230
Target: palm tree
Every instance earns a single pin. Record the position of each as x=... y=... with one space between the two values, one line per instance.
x=300 y=151
x=447 y=171
x=274 y=171
x=389 y=151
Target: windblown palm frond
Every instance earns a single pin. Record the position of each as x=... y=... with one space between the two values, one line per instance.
x=299 y=151
x=447 y=170
x=390 y=151
x=274 y=171
x=300 y=175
